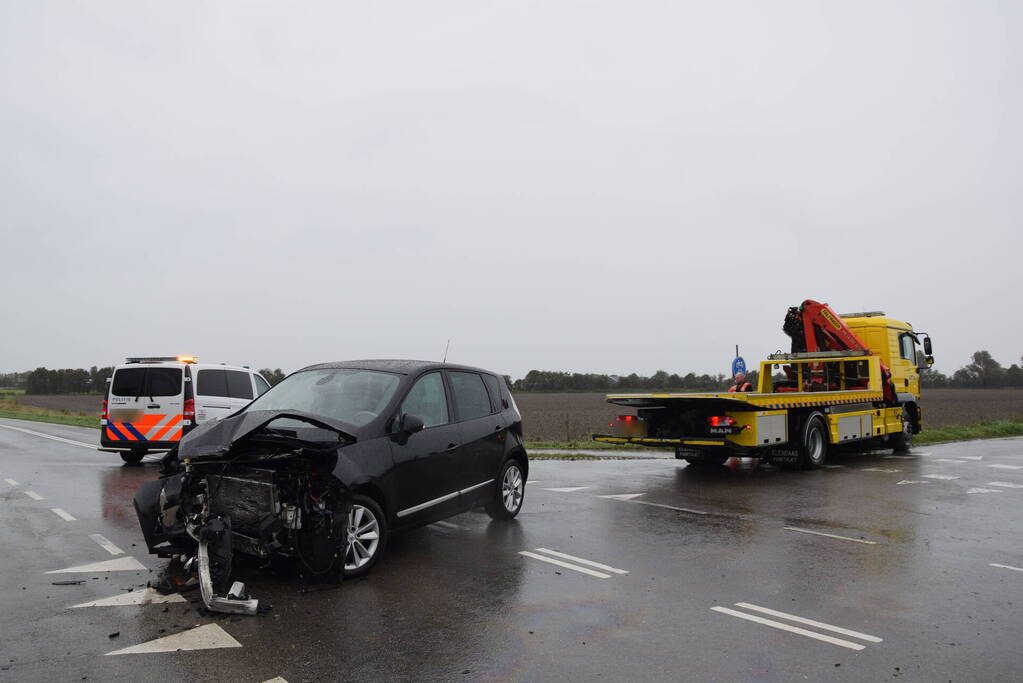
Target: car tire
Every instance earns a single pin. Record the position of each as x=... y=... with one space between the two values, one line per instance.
x=903 y=441
x=132 y=457
x=509 y=492
x=366 y=536
x=813 y=442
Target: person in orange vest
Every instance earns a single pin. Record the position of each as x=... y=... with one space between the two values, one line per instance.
x=740 y=383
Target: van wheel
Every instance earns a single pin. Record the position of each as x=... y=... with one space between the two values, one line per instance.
x=903 y=441
x=813 y=444
x=509 y=492
x=132 y=457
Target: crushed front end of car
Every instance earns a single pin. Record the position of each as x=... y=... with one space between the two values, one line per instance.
x=260 y=484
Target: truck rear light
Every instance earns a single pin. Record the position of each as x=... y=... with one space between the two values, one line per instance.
x=189 y=411
x=720 y=421
x=626 y=418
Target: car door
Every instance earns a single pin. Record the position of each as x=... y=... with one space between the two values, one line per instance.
x=212 y=400
x=239 y=388
x=424 y=462
x=481 y=430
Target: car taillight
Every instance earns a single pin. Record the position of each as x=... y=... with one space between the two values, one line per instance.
x=105 y=415
x=720 y=421
x=189 y=412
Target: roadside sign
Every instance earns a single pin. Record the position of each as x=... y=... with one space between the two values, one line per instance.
x=738 y=365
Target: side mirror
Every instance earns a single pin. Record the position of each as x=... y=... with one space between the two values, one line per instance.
x=410 y=424
x=927 y=346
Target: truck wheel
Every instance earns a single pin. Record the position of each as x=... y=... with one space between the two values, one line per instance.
x=813 y=444
x=132 y=457
x=903 y=441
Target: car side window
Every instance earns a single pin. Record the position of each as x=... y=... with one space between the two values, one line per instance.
x=427 y=400
x=212 y=383
x=494 y=389
x=261 y=386
x=471 y=398
x=238 y=384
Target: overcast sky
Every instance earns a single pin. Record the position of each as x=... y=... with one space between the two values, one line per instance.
x=587 y=186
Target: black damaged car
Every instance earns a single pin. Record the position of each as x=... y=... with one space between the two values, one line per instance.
x=321 y=468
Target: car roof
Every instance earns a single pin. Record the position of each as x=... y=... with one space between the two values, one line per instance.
x=397 y=366
x=178 y=364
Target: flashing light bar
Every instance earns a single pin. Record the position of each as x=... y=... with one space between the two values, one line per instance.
x=161 y=359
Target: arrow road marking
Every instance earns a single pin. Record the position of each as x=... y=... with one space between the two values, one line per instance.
x=206 y=637
x=106 y=545
x=121 y=564
x=146 y=596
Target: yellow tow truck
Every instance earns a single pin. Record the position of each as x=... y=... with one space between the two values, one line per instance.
x=848 y=378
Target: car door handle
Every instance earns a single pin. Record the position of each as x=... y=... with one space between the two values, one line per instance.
x=451 y=447
x=498 y=428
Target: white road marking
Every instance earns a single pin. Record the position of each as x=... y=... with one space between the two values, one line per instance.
x=208 y=637
x=448 y=525
x=91 y=446
x=668 y=507
x=1007 y=467
x=981 y=489
x=121 y=564
x=568 y=489
x=879 y=469
x=580 y=560
x=276 y=679
x=106 y=545
x=943 y=477
x=1005 y=484
x=811 y=622
x=899 y=457
x=833 y=467
x=622 y=496
x=1006 y=566
x=910 y=481
x=791 y=629
x=33 y=495
x=566 y=565
x=949 y=460
x=971 y=457
x=12 y=482
x=63 y=515
x=821 y=533
x=146 y=596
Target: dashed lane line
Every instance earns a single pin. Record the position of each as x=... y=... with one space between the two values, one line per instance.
x=791 y=629
x=1006 y=467
x=668 y=507
x=63 y=515
x=1005 y=484
x=573 y=558
x=208 y=637
x=33 y=495
x=910 y=481
x=12 y=482
x=102 y=541
x=811 y=622
x=942 y=477
x=1006 y=566
x=622 y=496
x=879 y=469
x=821 y=533
x=981 y=489
x=90 y=446
x=568 y=489
x=146 y=596
x=566 y=565
x=121 y=564
x=953 y=460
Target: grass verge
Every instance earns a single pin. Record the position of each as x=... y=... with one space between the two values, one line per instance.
x=9 y=407
x=571 y=445
x=982 y=430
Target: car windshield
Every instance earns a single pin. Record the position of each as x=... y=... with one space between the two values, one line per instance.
x=352 y=396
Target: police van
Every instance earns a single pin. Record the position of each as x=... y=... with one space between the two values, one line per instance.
x=152 y=402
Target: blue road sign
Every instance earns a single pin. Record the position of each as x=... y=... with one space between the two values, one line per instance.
x=738 y=365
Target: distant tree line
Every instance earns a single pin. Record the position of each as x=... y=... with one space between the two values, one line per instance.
x=983 y=372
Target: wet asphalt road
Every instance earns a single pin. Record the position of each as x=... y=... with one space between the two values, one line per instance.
x=921 y=567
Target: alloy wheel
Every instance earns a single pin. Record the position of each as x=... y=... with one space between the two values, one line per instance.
x=511 y=489
x=363 y=537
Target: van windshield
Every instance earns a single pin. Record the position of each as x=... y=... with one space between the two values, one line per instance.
x=146 y=382
x=352 y=396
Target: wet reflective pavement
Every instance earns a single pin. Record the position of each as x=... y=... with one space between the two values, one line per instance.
x=874 y=568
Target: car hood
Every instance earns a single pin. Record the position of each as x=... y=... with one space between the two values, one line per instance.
x=212 y=439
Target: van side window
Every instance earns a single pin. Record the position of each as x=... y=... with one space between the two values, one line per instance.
x=427 y=400
x=261 y=386
x=471 y=398
x=212 y=383
x=238 y=384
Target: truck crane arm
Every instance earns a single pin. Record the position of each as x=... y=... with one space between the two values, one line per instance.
x=814 y=327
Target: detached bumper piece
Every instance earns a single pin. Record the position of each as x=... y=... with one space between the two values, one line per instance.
x=215 y=555
x=233 y=602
